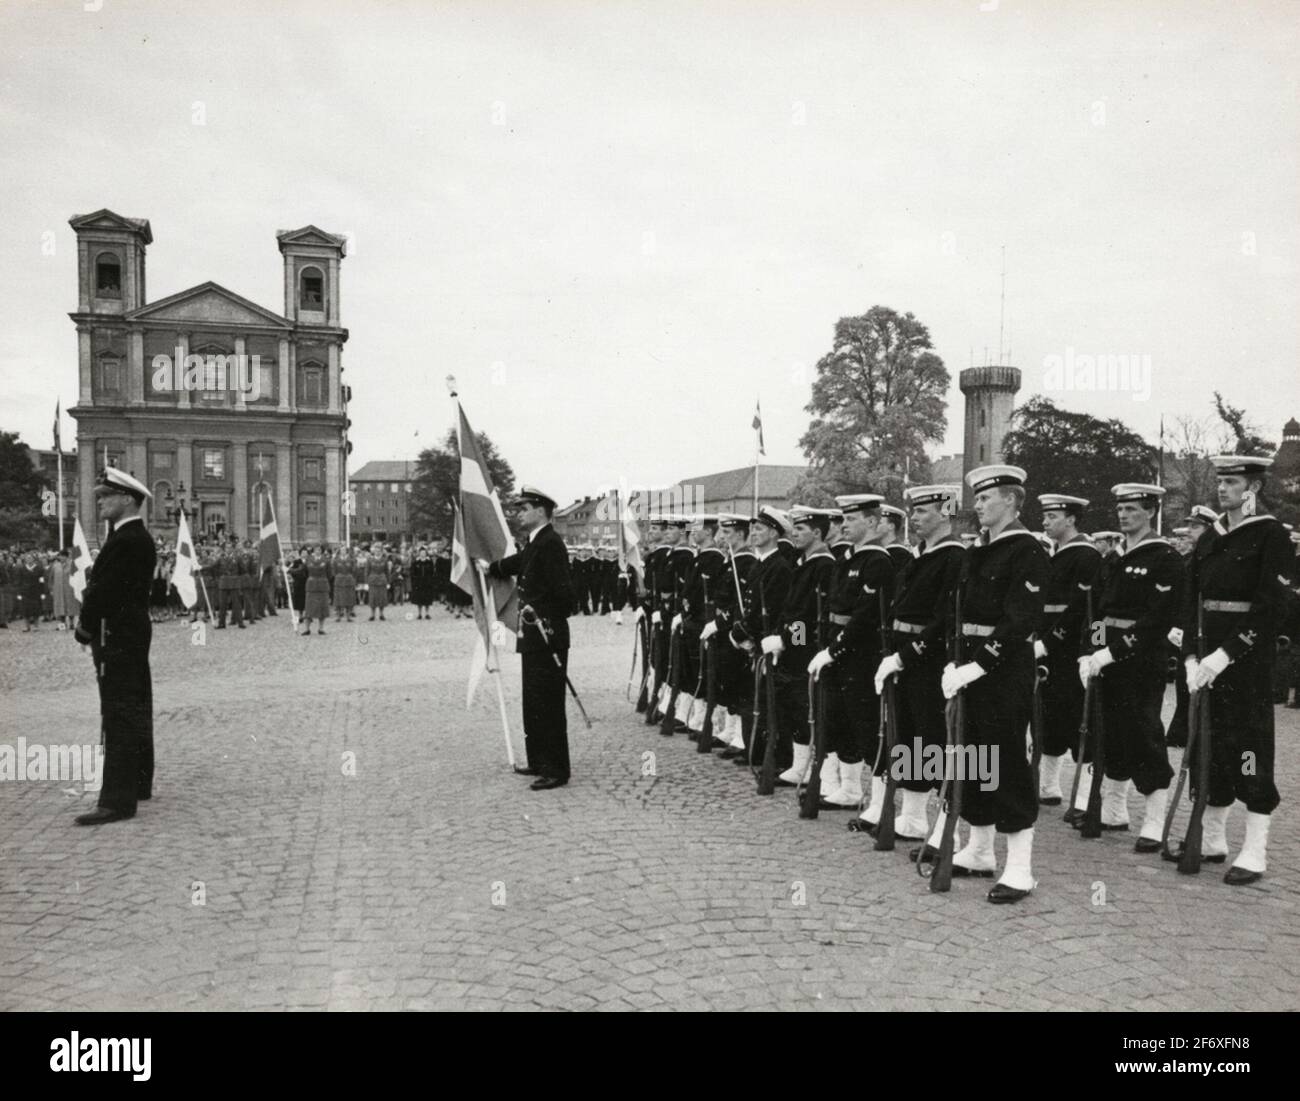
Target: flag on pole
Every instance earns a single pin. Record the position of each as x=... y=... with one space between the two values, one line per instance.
x=463 y=576
x=269 y=544
x=80 y=562
x=486 y=533
x=631 y=541
x=186 y=565
x=758 y=426
x=57 y=445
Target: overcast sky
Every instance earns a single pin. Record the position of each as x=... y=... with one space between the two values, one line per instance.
x=618 y=224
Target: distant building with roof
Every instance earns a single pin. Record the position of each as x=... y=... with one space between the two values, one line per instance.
x=729 y=491
x=381 y=499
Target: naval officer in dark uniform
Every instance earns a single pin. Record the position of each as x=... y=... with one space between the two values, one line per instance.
x=545 y=603
x=115 y=625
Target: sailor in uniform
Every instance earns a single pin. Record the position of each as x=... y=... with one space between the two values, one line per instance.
x=895 y=539
x=861 y=590
x=546 y=599
x=1001 y=609
x=731 y=600
x=706 y=579
x=1139 y=604
x=1072 y=576
x=922 y=609
x=797 y=635
x=1198 y=522
x=115 y=624
x=1237 y=589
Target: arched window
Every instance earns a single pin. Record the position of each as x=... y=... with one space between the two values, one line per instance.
x=108 y=276
x=311 y=295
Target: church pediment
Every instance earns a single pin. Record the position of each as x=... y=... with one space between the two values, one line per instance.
x=106 y=219
x=311 y=235
x=208 y=304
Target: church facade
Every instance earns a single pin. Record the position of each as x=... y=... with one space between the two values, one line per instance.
x=209 y=399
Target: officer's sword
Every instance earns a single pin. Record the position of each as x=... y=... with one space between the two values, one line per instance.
x=529 y=616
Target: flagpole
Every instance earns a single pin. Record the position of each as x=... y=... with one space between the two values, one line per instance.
x=60 y=476
x=489 y=612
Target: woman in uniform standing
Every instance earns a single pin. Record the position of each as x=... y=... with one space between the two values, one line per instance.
x=377 y=579
x=317 y=592
x=422 y=583
x=345 y=585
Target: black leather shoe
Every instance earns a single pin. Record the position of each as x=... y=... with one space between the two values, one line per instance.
x=1121 y=828
x=927 y=855
x=1001 y=893
x=741 y=760
x=1049 y=800
x=718 y=743
x=822 y=804
x=785 y=783
x=730 y=753
x=1072 y=816
x=1239 y=877
x=958 y=872
x=526 y=771
x=1146 y=845
x=100 y=815
x=545 y=783
x=1175 y=854
x=861 y=825
x=144 y=798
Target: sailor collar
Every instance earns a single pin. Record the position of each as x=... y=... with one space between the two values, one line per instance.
x=946 y=541
x=764 y=557
x=1223 y=529
x=1077 y=541
x=816 y=554
x=1014 y=528
x=742 y=552
x=869 y=547
x=1125 y=550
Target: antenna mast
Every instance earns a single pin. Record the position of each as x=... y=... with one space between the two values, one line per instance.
x=1002 y=311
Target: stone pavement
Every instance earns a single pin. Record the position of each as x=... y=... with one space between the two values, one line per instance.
x=268 y=872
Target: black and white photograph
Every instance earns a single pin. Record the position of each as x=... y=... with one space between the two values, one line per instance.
x=569 y=506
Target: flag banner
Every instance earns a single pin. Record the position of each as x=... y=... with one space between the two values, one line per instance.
x=58 y=446
x=186 y=566
x=758 y=426
x=485 y=532
x=80 y=563
x=465 y=577
x=269 y=544
x=631 y=540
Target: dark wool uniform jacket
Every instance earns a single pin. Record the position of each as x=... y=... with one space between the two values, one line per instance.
x=542 y=570
x=115 y=605
x=726 y=609
x=1004 y=590
x=769 y=582
x=675 y=578
x=923 y=597
x=858 y=584
x=702 y=588
x=798 y=624
x=1248 y=566
x=1145 y=585
x=1073 y=573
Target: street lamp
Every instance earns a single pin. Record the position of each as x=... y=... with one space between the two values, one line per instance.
x=176 y=511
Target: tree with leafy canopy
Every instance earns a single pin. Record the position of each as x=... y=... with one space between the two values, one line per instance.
x=1078 y=454
x=1246 y=437
x=878 y=399
x=21 y=489
x=436 y=484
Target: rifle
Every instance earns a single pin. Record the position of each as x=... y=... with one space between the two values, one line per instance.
x=652 y=679
x=811 y=795
x=1036 y=722
x=1085 y=723
x=767 y=774
x=1189 y=863
x=668 y=719
x=1091 y=824
x=708 y=661
x=955 y=715
x=636 y=641
x=888 y=739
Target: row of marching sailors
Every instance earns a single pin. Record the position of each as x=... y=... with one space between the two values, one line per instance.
x=1023 y=612
x=601 y=586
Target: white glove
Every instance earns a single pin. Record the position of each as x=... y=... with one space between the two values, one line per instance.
x=502 y=636
x=887 y=668
x=1085 y=669
x=1098 y=661
x=956 y=678
x=1211 y=667
x=640 y=615
x=483 y=564
x=710 y=629
x=1193 y=668
x=657 y=618
x=819 y=662
x=677 y=621
x=1176 y=636
x=1040 y=649
x=772 y=644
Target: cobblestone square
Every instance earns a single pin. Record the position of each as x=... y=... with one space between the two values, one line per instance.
x=331 y=829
